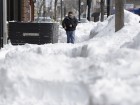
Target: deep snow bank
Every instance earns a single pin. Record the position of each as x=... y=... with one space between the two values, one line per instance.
x=120 y=83
x=40 y=75
x=107 y=28
x=100 y=71
x=134 y=44
x=106 y=31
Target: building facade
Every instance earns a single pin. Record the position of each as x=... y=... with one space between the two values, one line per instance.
x=20 y=10
x=135 y=2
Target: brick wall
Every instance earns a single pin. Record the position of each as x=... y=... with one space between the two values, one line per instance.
x=25 y=10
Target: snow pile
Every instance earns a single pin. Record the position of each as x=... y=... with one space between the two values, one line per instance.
x=104 y=27
x=106 y=31
x=108 y=25
x=131 y=18
x=104 y=70
x=121 y=66
x=37 y=75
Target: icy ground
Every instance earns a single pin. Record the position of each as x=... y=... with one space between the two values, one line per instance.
x=102 y=68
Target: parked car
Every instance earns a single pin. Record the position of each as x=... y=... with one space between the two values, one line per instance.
x=136 y=11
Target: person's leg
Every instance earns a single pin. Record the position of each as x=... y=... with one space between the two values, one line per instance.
x=73 y=37
x=68 y=36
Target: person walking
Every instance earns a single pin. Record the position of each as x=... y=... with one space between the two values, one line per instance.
x=69 y=24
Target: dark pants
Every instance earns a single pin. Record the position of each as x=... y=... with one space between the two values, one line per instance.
x=70 y=36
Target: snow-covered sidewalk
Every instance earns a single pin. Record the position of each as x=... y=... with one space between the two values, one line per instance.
x=102 y=68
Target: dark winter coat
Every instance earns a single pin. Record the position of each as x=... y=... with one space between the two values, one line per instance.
x=69 y=21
